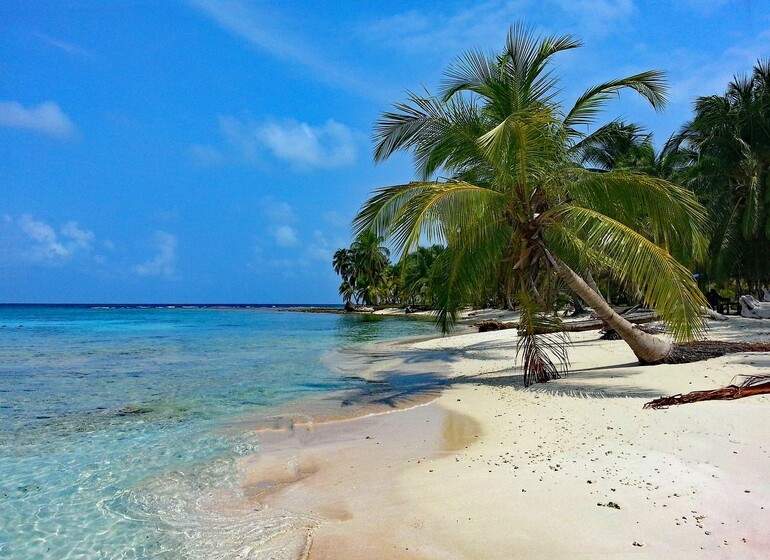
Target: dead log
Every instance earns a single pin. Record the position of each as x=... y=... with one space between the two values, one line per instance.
x=750 y=386
x=570 y=326
x=595 y=324
x=611 y=334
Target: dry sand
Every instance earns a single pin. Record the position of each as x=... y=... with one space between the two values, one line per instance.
x=490 y=470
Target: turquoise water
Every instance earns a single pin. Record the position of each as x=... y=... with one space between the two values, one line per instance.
x=120 y=428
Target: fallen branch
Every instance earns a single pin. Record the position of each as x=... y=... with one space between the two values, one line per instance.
x=751 y=385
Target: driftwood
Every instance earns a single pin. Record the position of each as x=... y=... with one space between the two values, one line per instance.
x=595 y=324
x=711 y=314
x=751 y=385
x=634 y=314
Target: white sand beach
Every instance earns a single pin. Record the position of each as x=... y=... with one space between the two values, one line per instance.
x=570 y=469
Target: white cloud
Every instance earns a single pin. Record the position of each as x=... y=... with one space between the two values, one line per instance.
x=303 y=256
x=240 y=135
x=598 y=16
x=47 y=118
x=285 y=236
x=704 y=6
x=260 y=29
x=41 y=244
x=47 y=245
x=69 y=48
x=484 y=24
x=327 y=146
x=277 y=210
x=164 y=262
x=335 y=219
x=82 y=239
x=320 y=249
x=416 y=31
x=703 y=74
x=302 y=145
x=286 y=266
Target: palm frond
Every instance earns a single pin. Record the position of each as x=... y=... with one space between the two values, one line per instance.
x=542 y=343
x=727 y=246
x=645 y=204
x=399 y=129
x=635 y=261
x=468 y=73
x=651 y=85
x=405 y=213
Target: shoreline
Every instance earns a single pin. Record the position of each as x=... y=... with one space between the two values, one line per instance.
x=538 y=470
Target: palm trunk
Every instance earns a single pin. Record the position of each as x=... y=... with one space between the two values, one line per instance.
x=589 y=278
x=647 y=348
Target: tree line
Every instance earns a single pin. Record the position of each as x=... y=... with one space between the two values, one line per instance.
x=369 y=277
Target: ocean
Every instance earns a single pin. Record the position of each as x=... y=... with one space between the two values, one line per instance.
x=121 y=427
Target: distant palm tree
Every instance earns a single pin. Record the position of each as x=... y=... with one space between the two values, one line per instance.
x=620 y=145
x=517 y=206
x=731 y=135
x=344 y=265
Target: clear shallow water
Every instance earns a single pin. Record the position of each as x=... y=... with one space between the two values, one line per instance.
x=119 y=431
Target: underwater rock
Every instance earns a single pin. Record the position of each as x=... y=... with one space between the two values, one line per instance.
x=133 y=410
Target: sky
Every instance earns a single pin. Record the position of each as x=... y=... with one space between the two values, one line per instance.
x=216 y=151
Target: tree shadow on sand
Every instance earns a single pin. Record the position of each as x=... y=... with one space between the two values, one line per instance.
x=399 y=385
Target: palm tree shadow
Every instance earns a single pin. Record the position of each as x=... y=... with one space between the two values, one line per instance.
x=605 y=368
x=396 y=386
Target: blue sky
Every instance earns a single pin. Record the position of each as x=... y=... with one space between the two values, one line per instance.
x=216 y=150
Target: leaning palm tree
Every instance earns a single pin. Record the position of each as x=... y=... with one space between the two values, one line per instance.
x=516 y=207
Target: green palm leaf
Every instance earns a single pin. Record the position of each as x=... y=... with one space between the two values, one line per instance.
x=666 y=285
x=651 y=85
x=645 y=203
x=432 y=210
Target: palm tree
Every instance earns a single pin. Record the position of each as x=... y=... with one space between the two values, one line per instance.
x=731 y=135
x=344 y=264
x=517 y=208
